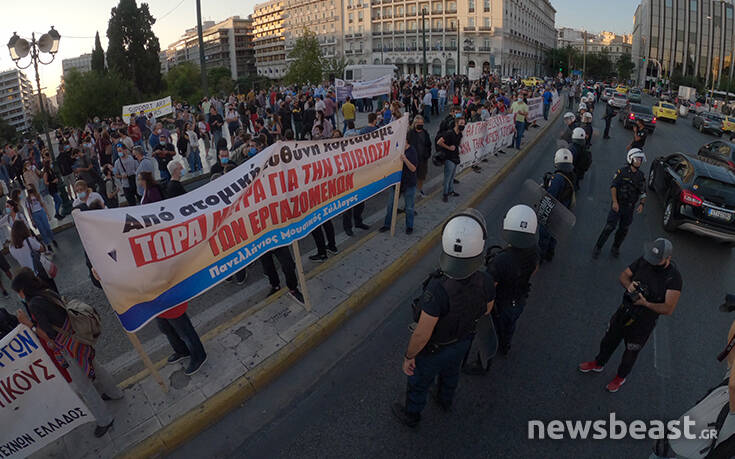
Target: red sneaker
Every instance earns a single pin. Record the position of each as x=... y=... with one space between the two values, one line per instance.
x=586 y=367
x=615 y=384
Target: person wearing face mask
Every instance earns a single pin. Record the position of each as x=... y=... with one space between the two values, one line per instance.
x=124 y=170
x=419 y=139
x=520 y=112
x=449 y=143
x=163 y=153
x=223 y=159
x=86 y=195
x=31 y=174
x=652 y=286
x=51 y=180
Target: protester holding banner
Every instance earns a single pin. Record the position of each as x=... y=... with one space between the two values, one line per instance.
x=520 y=112
x=407 y=188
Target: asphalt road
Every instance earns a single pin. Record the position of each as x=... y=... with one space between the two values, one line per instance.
x=336 y=401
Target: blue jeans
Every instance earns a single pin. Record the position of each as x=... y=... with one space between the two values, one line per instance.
x=445 y=363
x=442 y=104
x=449 y=169
x=409 y=195
x=57 y=202
x=546 y=111
x=195 y=162
x=40 y=219
x=216 y=135
x=182 y=336
x=427 y=113
x=520 y=127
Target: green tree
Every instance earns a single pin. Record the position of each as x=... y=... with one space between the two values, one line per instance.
x=183 y=82
x=562 y=58
x=98 y=55
x=334 y=67
x=52 y=122
x=133 y=48
x=248 y=82
x=8 y=133
x=220 y=80
x=91 y=94
x=307 y=64
x=624 y=67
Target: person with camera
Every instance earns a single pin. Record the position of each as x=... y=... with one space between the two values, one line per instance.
x=448 y=145
x=452 y=302
x=652 y=288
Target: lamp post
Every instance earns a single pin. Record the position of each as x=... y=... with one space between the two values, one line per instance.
x=47 y=43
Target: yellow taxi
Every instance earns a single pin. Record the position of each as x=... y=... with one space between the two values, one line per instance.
x=665 y=110
x=532 y=81
x=728 y=124
x=622 y=89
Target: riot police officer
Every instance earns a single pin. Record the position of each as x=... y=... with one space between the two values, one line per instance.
x=450 y=306
x=571 y=122
x=580 y=154
x=587 y=126
x=512 y=270
x=610 y=113
x=627 y=189
x=559 y=184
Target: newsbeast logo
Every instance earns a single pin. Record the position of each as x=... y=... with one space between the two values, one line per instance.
x=617 y=429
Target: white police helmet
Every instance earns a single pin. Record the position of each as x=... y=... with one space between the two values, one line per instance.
x=463 y=244
x=634 y=153
x=582 y=106
x=519 y=227
x=579 y=134
x=587 y=117
x=563 y=160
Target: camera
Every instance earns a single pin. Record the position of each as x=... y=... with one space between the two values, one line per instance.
x=633 y=296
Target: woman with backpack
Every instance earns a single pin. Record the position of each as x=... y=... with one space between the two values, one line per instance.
x=46 y=314
x=27 y=252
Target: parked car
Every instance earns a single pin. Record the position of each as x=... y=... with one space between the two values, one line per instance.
x=607 y=93
x=665 y=110
x=532 y=81
x=634 y=95
x=728 y=124
x=708 y=122
x=634 y=112
x=622 y=89
x=619 y=100
x=720 y=152
x=697 y=196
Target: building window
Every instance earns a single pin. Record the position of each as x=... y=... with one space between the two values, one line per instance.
x=486 y=22
x=472 y=6
x=471 y=22
x=352 y=18
x=486 y=6
x=359 y=15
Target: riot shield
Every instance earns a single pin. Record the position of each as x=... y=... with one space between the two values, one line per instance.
x=553 y=215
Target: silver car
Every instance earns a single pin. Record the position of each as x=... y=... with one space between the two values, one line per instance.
x=619 y=100
x=607 y=94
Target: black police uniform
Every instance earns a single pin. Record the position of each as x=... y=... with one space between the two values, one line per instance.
x=609 y=115
x=561 y=186
x=629 y=186
x=582 y=161
x=512 y=269
x=567 y=133
x=458 y=304
x=634 y=324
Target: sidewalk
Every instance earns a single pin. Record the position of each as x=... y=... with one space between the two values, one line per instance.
x=255 y=346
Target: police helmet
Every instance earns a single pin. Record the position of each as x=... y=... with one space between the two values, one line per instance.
x=563 y=160
x=582 y=106
x=587 y=117
x=519 y=227
x=579 y=134
x=569 y=115
x=634 y=153
x=463 y=244
x=610 y=102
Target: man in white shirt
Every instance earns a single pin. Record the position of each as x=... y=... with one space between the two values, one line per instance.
x=426 y=101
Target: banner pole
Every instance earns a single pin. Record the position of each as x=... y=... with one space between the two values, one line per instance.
x=396 y=195
x=147 y=361
x=300 y=273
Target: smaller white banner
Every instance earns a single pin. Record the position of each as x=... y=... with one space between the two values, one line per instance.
x=484 y=138
x=157 y=107
x=378 y=87
x=474 y=73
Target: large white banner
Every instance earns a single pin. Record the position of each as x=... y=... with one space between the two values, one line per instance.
x=484 y=138
x=157 y=107
x=153 y=257
x=535 y=108
x=37 y=405
x=378 y=87
x=474 y=73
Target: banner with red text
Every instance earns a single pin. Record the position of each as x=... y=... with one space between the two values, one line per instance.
x=484 y=138
x=153 y=257
x=37 y=405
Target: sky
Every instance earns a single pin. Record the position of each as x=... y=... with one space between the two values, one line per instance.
x=78 y=20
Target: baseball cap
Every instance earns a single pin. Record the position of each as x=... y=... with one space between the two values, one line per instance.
x=655 y=252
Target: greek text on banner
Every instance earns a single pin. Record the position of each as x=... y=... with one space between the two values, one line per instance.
x=153 y=257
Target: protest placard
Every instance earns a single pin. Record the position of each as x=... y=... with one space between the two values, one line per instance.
x=377 y=87
x=484 y=138
x=158 y=107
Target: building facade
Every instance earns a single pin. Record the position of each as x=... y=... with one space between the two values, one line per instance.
x=16 y=99
x=268 y=39
x=613 y=44
x=226 y=44
x=82 y=63
x=693 y=37
x=323 y=17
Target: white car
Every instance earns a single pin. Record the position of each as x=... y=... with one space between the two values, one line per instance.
x=619 y=100
x=607 y=94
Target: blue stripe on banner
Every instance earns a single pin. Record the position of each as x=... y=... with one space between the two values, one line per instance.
x=199 y=282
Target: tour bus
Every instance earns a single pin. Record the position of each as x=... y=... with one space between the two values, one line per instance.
x=365 y=72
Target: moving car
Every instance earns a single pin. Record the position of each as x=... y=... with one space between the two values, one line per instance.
x=532 y=81
x=619 y=100
x=607 y=94
x=634 y=95
x=622 y=89
x=634 y=112
x=708 y=122
x=728 y=124
x=719 y=152
x=697 y=196
x=665 y=110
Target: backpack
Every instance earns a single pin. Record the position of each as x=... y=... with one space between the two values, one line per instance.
x=84 y=319
x=8 y=322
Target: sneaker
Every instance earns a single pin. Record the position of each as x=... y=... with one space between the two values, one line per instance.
x=422 y=194
x=409 y=230
x=596 y=253
x=349 y=232
x=274 y=290
x=296 y=295
x=445 y=198
x=384 y=229
x=454 y=193
x=456 y=181
x=410 y=420
x=58 y=217
x=592 y=365
x=400 y=211
x=333 y=250
x=615 y=252
x=101 y=430
x=320 y=257
x=614 y=385
x=194 y=367
x=175 y=357
x=362 y=226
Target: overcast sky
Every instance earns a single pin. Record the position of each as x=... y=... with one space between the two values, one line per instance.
x=78 y=20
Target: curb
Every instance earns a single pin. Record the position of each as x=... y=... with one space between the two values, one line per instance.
x=216 y=407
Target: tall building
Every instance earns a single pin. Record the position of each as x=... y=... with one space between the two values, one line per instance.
x=226 y=44
x=613 y=44
x=16 y=104
x=82 y=63
x=268 y=39
x=323 y=17
x=694 y=37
